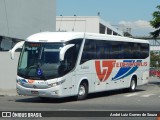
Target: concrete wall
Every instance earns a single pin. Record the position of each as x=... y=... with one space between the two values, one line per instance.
x=8 y=71
x=18 y=20
x=21 y=18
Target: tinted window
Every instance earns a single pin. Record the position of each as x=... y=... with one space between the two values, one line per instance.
x=89 y=51
x=101 y=49
x=71 y=56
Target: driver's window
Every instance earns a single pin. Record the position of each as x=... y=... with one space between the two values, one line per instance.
x=71 y=56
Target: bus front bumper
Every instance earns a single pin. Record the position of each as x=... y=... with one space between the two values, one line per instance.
x=53 y=92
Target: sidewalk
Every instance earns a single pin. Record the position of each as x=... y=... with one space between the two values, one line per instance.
x=154 y=80
x=8 y=92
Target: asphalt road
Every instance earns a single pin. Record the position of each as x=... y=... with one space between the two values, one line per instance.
x=146 y=98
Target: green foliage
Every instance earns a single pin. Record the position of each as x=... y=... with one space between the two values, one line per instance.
x=155 y=22
x=155 y=57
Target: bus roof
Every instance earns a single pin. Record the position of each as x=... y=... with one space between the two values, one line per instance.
x=54 y=36
x=66 y=36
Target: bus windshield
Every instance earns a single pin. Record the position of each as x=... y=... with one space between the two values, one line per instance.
x=40 y=61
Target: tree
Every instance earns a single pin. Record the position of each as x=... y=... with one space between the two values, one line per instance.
x=154 y=59
x=155 y=23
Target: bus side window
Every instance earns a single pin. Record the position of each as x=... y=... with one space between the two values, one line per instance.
x=101 y=49
x=144 y=50
x=70 y=58
x=88 y=51
x=138 y=51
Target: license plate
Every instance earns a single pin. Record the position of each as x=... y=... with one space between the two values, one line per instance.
x=35 y=92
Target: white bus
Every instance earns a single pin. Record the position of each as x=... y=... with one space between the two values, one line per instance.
x=61 y=64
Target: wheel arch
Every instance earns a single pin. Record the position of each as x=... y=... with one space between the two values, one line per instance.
x=134 y=76
x=133 y=83
x=83 y=89
x=84 y=79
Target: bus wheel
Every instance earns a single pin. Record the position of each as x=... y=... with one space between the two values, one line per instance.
x=82 y=91
x=133 y=85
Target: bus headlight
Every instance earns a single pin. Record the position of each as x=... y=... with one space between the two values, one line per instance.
x=18 y=81
x=56 y=83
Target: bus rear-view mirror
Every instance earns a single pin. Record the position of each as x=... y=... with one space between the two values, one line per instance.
x=18 y=45
x=63 y=51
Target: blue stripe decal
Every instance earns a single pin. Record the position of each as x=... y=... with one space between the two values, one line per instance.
x=122 y=70
x=126 y=73
x=132 y=70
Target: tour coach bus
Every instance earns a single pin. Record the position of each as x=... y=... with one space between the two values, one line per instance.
x=61 y=64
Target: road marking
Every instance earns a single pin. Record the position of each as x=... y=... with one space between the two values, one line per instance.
x=148 y=95
x=132 y=94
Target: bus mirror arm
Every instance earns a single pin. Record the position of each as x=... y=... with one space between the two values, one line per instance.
x=18 y=45
x=63 y=51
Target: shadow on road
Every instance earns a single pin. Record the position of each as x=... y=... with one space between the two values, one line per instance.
x=155 y=83
x=72 y=99
x=111 y=93
x=45 y=100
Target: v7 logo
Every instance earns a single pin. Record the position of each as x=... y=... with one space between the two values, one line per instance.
x=104 y=69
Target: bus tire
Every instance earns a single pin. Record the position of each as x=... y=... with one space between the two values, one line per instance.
x=133 y=85
x=82 y=91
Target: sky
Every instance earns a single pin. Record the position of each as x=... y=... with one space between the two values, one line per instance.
x=134 y=14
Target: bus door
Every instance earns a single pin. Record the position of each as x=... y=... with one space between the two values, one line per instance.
x=68 y=66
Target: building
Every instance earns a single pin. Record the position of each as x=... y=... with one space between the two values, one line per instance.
x=21 y=18
x=154 y=43
x=93 y=24
x=18 y=20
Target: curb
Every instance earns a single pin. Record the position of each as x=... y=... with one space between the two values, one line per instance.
x=8 y=92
